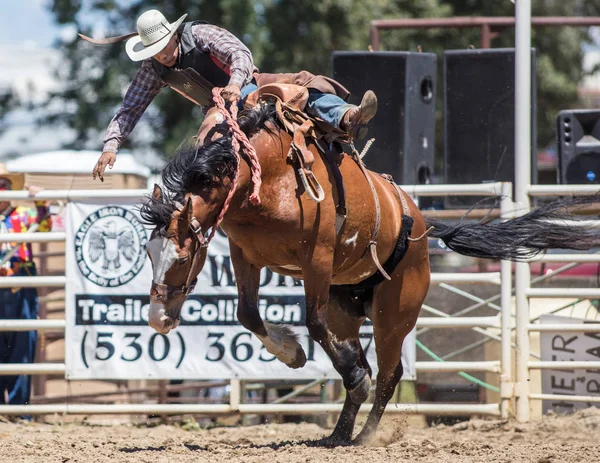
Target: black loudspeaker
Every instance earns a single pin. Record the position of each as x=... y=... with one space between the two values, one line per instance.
x=404 y=127
x=578 y=143
x=479 y=118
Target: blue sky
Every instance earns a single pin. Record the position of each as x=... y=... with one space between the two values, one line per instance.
x=28 y=20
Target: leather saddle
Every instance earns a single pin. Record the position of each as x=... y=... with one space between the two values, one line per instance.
x=290 y=101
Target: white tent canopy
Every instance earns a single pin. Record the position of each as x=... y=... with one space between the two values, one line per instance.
x=74 y=162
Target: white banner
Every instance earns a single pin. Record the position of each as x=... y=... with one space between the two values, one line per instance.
x=107 y=299
x=569 y=346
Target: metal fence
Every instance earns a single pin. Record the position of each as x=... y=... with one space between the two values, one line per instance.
x=512 y=385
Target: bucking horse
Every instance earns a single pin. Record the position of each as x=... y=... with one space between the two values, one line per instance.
x=292 y=234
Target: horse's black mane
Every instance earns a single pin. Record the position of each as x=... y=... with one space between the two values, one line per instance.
x=193 y=168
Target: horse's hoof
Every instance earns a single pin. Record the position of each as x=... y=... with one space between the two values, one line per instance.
x=300 y=359
x=336 y=441
x=360 y=393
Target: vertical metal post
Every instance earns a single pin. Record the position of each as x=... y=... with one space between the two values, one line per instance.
x=506 y=377
x=522 y=181
x=486 y=36
x=163 y=397
x=39 y=381
x=374 y=38
x=235 y=394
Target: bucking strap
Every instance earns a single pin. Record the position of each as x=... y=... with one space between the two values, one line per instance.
x=390 y=265
x=399 y=252
x=375 y=233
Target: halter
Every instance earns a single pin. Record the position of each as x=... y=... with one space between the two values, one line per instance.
x=160 y=292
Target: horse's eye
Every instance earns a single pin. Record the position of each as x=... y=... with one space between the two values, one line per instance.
x=182 y=260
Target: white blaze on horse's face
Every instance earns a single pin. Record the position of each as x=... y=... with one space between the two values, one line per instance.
x=163 y=254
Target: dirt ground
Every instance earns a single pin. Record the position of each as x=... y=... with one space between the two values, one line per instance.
x=574 y=438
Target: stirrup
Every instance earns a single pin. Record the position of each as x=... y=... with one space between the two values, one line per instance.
x=311 y=185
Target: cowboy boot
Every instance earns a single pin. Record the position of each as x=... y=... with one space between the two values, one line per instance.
x=355 y=120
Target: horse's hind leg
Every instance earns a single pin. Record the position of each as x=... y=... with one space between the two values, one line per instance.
x=279 y=340
x=344 y=355
x=344 y=321
x=396 y=306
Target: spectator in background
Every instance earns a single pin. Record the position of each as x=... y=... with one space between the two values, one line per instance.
x=18 y=303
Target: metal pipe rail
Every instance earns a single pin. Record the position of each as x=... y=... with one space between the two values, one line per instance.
x=566 y=328
x=482 y=189
x=490 y=26
x=465 y=322
x=564 y=365
x=47 y=237
x=569 y=398
x=563 y=258
x=478 y=189
x=429 y=322
x=457 y=278
x=471 y=21
x=492 y=366
x=30 y=325
x=74 y=195
x=33 y=282
x=60 y=281
x=592 y=293
x=243 y=409
x=10 y=369
x=562 y=190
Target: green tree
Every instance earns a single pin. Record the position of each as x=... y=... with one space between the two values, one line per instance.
x=286 y=36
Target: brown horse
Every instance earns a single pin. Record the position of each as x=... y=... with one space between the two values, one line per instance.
x=293 y=235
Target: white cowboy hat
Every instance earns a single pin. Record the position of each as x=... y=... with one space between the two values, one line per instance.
x=17 y=180
x=154 y=34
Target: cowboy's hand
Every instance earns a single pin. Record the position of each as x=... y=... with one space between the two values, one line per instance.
x=232 y=93
x=108 y=158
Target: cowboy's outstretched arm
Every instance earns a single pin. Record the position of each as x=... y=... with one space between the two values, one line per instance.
x=234 y=56
x=144 y=87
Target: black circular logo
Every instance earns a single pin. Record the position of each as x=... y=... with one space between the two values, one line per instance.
x=110 y=246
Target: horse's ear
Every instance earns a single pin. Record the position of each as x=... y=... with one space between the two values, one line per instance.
x=157 y=192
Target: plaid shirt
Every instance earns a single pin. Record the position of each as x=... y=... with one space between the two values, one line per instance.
x=221 y=44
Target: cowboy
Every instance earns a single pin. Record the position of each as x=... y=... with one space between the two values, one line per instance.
x=18 y=303
x=194 y=57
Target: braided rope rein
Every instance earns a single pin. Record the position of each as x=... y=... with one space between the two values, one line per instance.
x=237 y=138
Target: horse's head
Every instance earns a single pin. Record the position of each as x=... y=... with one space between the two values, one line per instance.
x=200 y=178
x=177 y=250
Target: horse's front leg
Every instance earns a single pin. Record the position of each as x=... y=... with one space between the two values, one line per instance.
x=343 y=354
x=279 y=340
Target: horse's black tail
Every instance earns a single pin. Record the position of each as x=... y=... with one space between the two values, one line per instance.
x=522 y=238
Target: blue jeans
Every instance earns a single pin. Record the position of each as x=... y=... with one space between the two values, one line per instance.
x=325 y=106
x=245 y=91
x=330 y=108
x=17 y=347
